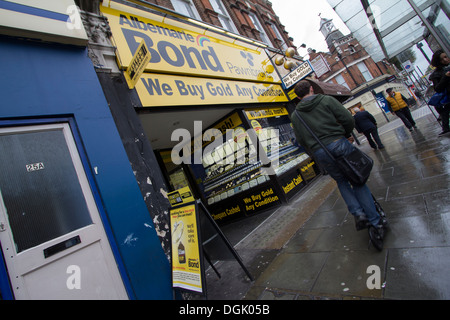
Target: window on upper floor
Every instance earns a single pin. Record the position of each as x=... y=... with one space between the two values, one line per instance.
x=351 y=49
x=186 y=7
x=259 y=27
x=284 y=46
x=365 y=72
x=223 y=15
x=340 y=79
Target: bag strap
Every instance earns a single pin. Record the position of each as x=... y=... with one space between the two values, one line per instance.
x=303 y=121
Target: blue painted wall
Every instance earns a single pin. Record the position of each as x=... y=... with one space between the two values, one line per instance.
x=46 y=80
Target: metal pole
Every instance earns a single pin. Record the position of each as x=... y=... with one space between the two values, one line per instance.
x=419 y=46
x=430 y=27
x=427 y=83
x=421 y=82
x=341 y=58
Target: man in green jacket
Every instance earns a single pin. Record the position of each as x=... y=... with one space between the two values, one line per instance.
x=332 y=123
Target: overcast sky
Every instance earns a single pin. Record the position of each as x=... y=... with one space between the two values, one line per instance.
x=302 y=21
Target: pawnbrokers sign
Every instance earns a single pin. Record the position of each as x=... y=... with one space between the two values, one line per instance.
x=177 y=47
x=298 y=74
x=169 y=90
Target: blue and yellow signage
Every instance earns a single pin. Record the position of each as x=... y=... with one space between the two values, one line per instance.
x=173 y=90
x=187 y=61
x=179 y=47
x=137 y=65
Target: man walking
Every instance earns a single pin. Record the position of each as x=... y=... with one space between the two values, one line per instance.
x=365 y=123
x=398 y=105
x=333 y=123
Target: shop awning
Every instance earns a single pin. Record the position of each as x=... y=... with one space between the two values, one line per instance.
x=385 y=28
x=338 y=91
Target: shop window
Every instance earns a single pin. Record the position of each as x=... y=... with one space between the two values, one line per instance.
x=186 y=7
x=223 y=15
x=235 y=165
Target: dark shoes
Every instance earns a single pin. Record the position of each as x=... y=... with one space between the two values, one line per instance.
x=376 y=235
x=361 y=222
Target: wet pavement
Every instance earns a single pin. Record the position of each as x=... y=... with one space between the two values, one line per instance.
x=310 y=249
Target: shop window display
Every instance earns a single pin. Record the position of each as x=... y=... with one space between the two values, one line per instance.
x=250 y=162
x=241 y=162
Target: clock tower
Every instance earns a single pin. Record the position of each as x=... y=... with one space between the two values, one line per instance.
x=329 y=31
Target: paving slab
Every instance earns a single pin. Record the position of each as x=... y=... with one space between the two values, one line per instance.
x=310 y=250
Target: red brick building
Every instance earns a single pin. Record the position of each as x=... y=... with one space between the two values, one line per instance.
x=350 y=64
x=254 y=19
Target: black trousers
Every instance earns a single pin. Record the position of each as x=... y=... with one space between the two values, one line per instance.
x=373 y=133
x=405 y=115
x=445 y=116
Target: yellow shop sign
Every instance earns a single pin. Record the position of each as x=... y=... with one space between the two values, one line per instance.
x=178 y=47
x=265 y=113
x=170 y=90
x=138 y=63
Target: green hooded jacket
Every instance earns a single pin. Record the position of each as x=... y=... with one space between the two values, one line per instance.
x=327 y=118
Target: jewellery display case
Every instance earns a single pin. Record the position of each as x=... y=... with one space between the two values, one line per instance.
x=256 y=164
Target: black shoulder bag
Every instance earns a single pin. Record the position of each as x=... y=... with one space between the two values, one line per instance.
x=356 y=165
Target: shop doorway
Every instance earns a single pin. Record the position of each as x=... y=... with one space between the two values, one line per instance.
x=51 y=234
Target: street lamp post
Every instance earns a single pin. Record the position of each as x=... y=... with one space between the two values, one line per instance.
x=346 y=68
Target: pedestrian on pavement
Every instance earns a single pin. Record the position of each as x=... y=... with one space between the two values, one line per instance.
x=366 y=124
x=398 y=105
x=441 y=82
x=333 y=124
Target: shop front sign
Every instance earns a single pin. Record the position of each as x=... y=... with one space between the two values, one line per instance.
x=170 y=90
x=137 y=65
x=298 y=74
x=178 y=47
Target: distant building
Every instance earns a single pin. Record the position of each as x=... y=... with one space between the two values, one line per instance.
x=348 y=63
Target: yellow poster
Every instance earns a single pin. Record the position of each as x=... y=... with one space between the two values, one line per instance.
x=180 y=197
x=186 y=258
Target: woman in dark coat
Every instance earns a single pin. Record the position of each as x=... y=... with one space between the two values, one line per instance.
x=441 y=82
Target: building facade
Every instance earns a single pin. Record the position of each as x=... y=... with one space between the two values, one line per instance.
x=349 y=64
x=73 y=222
x=201 y=78
x=96 y=153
